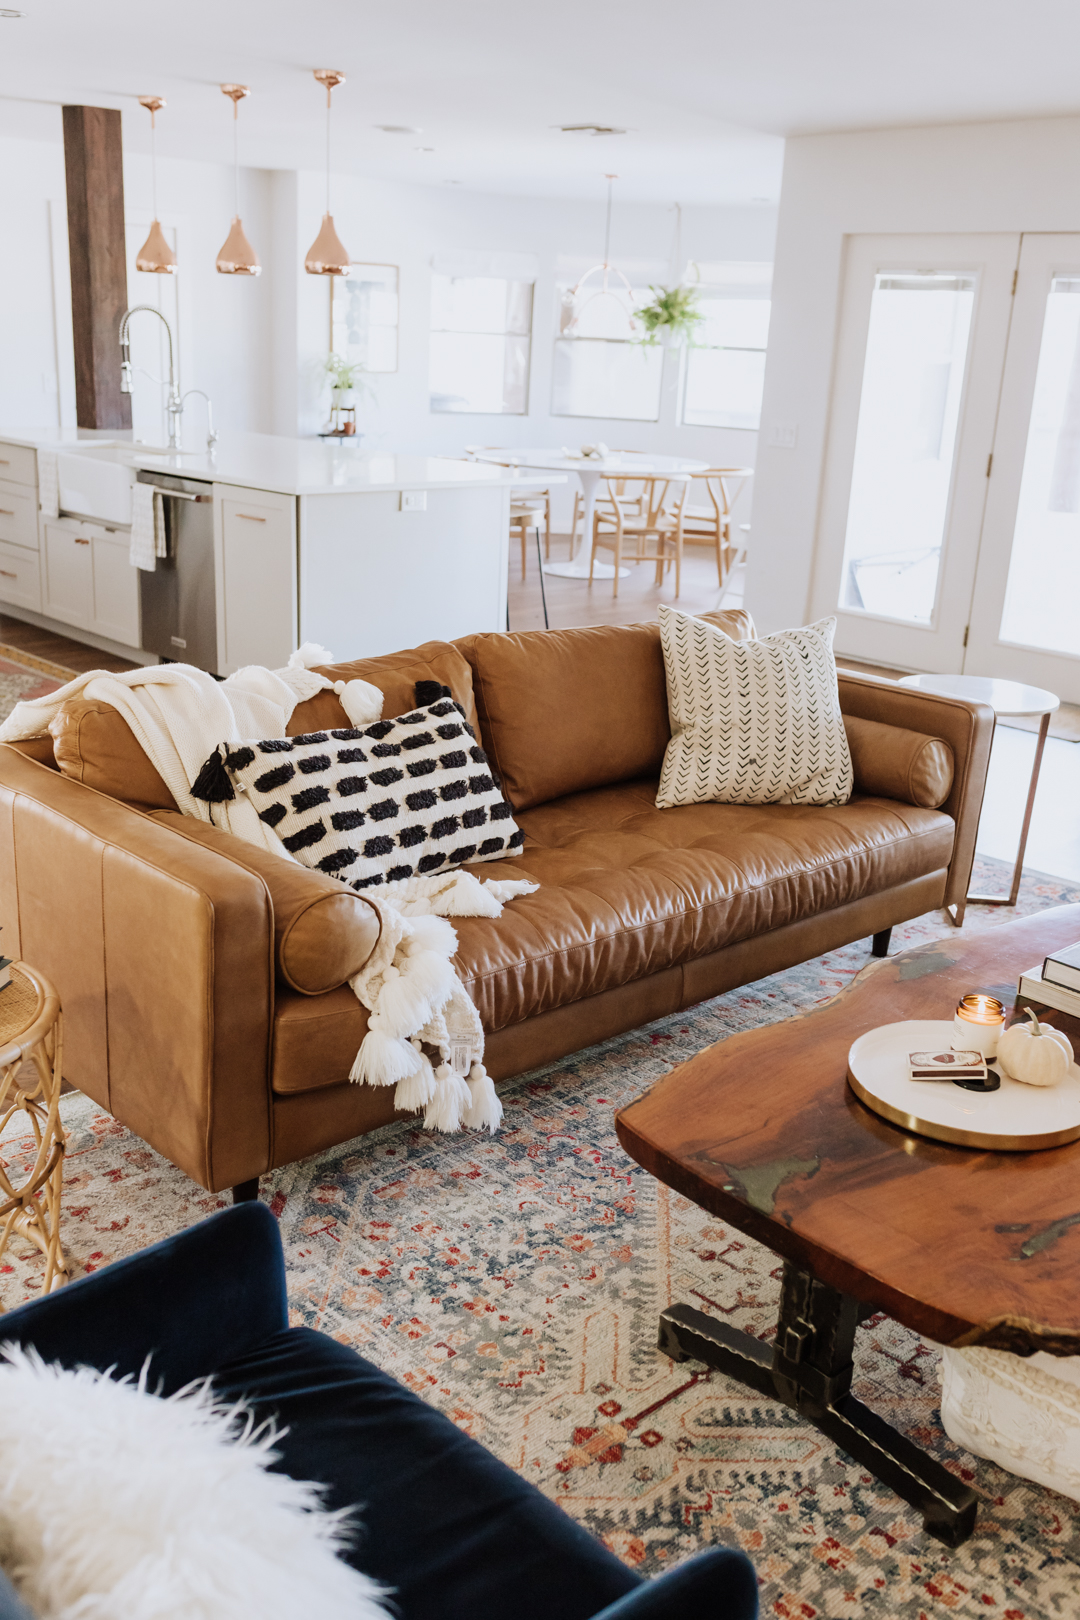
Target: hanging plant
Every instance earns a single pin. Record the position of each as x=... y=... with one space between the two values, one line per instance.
x=673 y=315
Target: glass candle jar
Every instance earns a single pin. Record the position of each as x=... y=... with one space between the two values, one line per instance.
x=978 y=1024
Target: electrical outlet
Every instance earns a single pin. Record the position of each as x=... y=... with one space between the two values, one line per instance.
x=783 y=435
x=414 y=500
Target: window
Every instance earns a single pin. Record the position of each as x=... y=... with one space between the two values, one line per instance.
x=724 y=371
x=604 y=370
x=480 y=334
x=364 y=316
x=909 y=412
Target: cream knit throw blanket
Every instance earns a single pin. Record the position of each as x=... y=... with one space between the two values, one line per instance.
x=179 y=715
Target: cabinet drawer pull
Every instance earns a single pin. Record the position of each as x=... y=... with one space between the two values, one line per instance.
x=5 y=513
x=250 y=518
x=79 y=541
x=4 y=574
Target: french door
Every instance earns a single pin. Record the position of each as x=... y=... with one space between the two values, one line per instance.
x=921 y=348
x=1025 y=610
x=949 y=530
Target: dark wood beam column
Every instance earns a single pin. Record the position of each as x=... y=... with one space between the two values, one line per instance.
x=93 y=158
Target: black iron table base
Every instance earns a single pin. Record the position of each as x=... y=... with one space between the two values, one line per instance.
x=810 y=1369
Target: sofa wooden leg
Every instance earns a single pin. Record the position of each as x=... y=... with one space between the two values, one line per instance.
x=880 y=946
x=246 y=1192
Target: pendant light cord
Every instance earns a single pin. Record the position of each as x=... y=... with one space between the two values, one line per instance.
x=153 y=161
x=607 y=224
x=236 y=157
x=328 y=95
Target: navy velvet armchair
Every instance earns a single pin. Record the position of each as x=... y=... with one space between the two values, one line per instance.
x=453 y=1531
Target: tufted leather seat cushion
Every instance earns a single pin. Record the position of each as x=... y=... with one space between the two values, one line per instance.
x=628 y=890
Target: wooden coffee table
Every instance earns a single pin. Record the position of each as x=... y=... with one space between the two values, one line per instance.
x=964 y=1246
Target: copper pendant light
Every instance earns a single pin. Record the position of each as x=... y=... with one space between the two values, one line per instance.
x=237 y=256
x=155 y=255
x=327 y=255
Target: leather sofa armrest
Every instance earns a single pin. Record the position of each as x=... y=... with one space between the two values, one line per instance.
x=323 y=931
x=163 y=955
x=968 y=729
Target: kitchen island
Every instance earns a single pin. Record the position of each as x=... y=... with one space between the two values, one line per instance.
x=312 y=540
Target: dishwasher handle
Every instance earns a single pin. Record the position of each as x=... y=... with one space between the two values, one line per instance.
x=179 y=494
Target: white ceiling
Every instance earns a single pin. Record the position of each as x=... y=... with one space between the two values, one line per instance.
x=704 y=87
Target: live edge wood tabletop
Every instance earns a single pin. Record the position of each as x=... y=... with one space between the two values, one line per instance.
x=967 y=1247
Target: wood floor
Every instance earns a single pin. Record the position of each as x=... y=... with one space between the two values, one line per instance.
x=573 y=602
x=55 y=649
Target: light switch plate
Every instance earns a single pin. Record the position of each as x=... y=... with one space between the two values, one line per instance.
x=414 y=500
x=784 y=435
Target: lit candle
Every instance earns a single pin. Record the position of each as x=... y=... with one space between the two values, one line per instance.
x=979 y=1024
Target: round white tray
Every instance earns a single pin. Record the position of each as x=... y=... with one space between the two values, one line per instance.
x=1014 y=1119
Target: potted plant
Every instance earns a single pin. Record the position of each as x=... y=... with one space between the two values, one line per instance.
x=345 y=378
x=672 y=317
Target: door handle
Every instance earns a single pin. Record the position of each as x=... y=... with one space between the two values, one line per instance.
x=79 y=541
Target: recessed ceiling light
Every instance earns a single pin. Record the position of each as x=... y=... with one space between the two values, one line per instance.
x=6 y=12
x=589 y=129
x=423 y=149
x=400 y=129
x=451 y=182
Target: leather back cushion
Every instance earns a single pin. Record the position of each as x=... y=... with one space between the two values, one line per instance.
x=566 y=710
x=395 y=674
x=93 y=743
x=891 y=762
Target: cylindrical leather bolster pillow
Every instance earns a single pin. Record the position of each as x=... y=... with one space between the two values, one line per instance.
x=891 y=763
x=323 y=932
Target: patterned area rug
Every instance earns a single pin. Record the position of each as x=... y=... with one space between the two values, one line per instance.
x=24 y=677
x=515 y=1282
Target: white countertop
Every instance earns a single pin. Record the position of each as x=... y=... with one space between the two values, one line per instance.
x=286 y=466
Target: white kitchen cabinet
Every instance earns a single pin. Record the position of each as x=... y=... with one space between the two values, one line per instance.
x=88 y=581
x=20 y=577
x=68 y=572
x=18 y=463
x=256 y=577
x=116 y=590
x=18 y=515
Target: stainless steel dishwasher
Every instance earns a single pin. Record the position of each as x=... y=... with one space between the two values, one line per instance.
x=179 y=601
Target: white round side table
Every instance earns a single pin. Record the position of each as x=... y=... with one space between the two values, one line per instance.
x=1005 y=698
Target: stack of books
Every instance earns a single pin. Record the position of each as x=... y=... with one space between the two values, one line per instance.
x=1056 y=983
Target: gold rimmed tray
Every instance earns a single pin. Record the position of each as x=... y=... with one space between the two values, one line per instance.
x=1014 y=1119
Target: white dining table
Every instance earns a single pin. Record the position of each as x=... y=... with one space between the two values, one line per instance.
x=590 y=470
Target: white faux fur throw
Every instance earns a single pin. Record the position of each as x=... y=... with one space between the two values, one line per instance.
x=115 y=1503
x=180 y=715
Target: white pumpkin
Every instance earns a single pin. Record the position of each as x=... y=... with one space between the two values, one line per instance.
x=1036 y=1054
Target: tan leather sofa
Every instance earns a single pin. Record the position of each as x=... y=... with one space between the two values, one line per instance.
x=203 y=981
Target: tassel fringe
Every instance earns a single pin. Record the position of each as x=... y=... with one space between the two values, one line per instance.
x=484 y=1111
x=448 y=1104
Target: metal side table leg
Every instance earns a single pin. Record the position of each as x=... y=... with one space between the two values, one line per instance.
x=1010 y=899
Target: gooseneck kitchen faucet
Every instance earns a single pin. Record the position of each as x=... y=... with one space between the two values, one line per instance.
x=174 y=405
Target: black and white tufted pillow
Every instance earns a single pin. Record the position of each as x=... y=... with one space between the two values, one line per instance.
x=374 y=804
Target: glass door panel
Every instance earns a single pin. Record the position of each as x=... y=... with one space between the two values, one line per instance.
x=920 y=352
x=912 y=385
x=1024 y=624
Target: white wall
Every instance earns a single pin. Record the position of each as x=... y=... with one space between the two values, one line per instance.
x=1020 y=176
x=257 y=346
x=225 y=320
x=383 y=222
